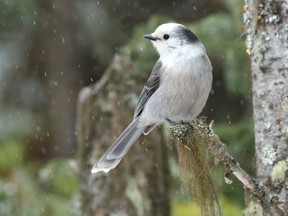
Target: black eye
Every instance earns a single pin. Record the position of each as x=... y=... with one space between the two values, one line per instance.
x=166 y=36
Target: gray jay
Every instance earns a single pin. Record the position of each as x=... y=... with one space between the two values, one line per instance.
x=176 y=91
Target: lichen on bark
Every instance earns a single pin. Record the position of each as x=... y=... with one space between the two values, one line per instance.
x=267 y=41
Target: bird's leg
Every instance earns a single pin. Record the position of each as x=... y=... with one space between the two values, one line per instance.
x=170 y=122
x=181 y=123
x=188 y=124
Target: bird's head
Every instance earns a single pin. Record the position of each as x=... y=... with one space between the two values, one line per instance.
x=174 y=38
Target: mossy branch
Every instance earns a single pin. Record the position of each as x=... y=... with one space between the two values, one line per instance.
x=192 y=142
x=194 y=168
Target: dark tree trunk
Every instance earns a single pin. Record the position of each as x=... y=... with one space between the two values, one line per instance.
x=139 y=184
x=52 y=62
x=267 y=42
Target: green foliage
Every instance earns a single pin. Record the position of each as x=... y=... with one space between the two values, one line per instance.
x=229 y=208
x=239 y=138
x=33 y=201
x=22 y=192
x=188 y=209
x=10 y=155
x=17 y=15
x=59 y=176
x=21 y=196
x=185 y=209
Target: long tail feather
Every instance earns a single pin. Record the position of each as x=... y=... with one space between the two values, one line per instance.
x=119 y=148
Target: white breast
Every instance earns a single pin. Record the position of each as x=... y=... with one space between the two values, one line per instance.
x=183 y=91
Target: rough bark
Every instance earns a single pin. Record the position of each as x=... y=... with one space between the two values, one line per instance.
x=138 y=186
x=267 y=45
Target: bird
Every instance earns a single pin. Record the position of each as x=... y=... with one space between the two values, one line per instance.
x=176 y=91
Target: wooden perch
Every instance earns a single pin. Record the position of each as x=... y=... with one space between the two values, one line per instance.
x=198 y=128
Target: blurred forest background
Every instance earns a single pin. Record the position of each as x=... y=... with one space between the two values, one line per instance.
x=50 y=49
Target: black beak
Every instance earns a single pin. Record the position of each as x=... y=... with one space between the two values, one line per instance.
x=150 y=37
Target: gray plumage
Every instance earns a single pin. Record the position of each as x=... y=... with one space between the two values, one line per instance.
x=177 y=89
